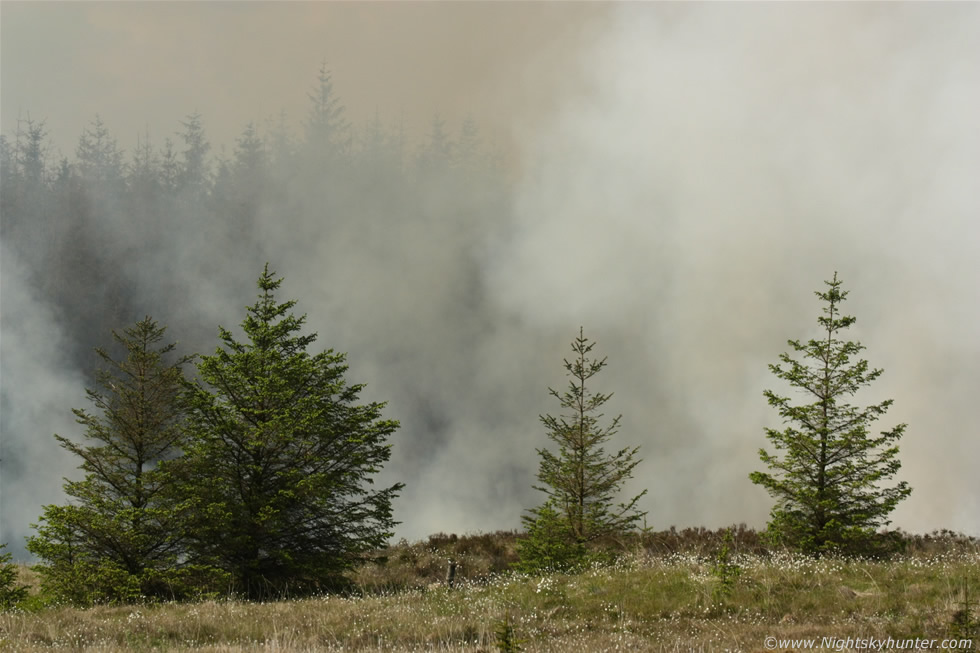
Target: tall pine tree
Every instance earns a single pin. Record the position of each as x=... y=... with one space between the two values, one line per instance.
x=826 y=481
x=119 y=538
x=282 y=457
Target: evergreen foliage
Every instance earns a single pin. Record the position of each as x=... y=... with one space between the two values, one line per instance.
x=11 y=592
x=30 y=152
x=550 y=544
x=724 y=569
x=826 y=470
x=91 y=229
x=505 y=636
x=100 y=161
x=281 y=456
x=119 y=539
x=581 y=480
x=195 y=170
x=963 y=624
x=300 y=177
x=327 y=130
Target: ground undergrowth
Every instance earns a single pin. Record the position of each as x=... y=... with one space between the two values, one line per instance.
x=664 y=592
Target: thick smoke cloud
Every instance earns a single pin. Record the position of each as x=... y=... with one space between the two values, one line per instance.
x=726 y=159
x=35 y=389
x=681 y=179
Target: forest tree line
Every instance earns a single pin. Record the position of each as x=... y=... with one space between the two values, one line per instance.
x=106 y=235
x=370 y=211
x=256 y=478
x=255 y=475
x=91 y=228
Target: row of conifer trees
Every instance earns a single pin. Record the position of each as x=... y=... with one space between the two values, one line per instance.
x=255 y=478
x=251 y=474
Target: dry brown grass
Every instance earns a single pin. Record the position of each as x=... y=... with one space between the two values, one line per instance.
x=648 y=601
x=421 y=565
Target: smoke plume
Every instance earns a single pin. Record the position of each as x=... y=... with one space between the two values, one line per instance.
x=679 y=180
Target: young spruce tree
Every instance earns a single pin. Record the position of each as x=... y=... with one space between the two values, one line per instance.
x=119 y=537
x=826 y=482
x=281 y=457
x=581 y=480
x=11 y=591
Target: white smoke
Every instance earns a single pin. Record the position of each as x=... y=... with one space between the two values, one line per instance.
x=36 y=396
x=689 y=175
x=720 y=162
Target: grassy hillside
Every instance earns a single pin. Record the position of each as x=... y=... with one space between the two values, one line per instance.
x=663 y=594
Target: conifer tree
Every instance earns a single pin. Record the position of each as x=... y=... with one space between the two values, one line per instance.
x=436 y=154
x=582 y=480
x=11 y=591
x=100 y=161
x=195 y=174
x=31 y=153
x=119 y=537
x=826 y=470
x=282 y=456
x=327 y=131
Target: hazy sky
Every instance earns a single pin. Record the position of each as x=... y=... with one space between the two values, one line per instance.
x=687 y=176
x=140 y=64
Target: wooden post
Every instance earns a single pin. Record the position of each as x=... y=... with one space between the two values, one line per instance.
x=451 y=574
